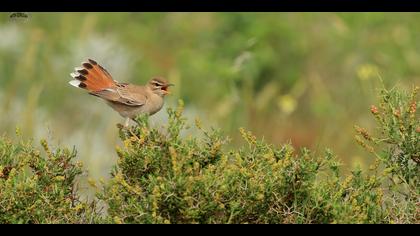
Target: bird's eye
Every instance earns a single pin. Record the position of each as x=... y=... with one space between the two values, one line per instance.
x=156 y=84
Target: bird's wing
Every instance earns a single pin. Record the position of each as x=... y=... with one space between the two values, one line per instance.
x=123 y=93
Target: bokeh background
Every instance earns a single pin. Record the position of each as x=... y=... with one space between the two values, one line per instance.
x=306 y=78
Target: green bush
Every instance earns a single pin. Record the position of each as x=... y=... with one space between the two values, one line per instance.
x=37 y=188
x=396 y=147
x=167 y=176
x=162 y=177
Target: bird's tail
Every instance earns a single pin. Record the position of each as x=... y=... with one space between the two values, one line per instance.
x=92 y=77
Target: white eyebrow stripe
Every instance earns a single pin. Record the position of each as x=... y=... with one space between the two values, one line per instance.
x=158 y=82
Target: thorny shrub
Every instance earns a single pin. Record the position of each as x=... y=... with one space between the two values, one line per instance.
x=39 y=186
x=164 y=176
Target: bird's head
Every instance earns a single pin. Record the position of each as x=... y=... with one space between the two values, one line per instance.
x=159 y=86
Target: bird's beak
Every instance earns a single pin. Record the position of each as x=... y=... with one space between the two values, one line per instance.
x=166 y=88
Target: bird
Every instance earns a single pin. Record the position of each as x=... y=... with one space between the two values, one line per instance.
x=129 y=100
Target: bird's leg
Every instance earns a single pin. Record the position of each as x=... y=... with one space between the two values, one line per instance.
x=127 y=122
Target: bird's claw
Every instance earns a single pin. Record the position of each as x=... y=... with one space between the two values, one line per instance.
x=120 y=126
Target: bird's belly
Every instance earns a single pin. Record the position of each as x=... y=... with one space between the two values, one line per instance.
x=133 y=111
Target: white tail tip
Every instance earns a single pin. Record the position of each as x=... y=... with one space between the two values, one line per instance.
x=75 y=83
x=74 y=74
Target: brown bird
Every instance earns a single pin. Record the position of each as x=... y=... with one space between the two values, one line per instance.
x=127 y=99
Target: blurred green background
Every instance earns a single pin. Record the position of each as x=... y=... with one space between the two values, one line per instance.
x=300 y=77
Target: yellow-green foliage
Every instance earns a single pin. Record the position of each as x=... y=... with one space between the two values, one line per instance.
x=39 y=188
x=396 y=145
x=162 y=177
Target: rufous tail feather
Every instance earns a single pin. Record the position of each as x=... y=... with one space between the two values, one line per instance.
x=92 y=77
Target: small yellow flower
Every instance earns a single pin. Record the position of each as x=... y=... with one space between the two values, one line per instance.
x=78 y=207
x=117 y=220
x=287 y=104
x=367 y=71
x=92 y=182
x=198 y=123
x=17 y=131
x=59 y=178
x=79 y=164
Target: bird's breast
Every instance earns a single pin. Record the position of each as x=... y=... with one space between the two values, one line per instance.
x=153 y=104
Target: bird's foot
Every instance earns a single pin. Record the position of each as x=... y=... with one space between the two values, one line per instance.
x=126 y=124
x=121 y=126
